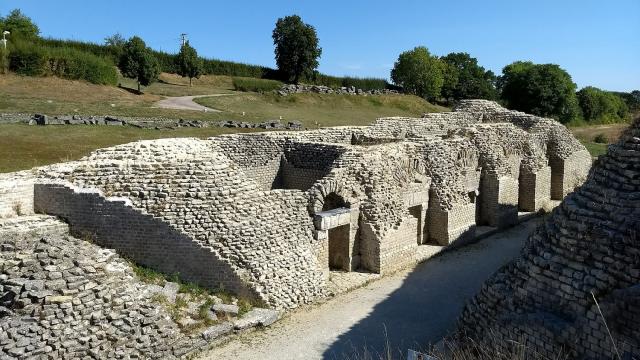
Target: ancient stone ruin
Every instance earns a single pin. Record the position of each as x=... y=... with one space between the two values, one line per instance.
x=575 y=288
x=271 y=215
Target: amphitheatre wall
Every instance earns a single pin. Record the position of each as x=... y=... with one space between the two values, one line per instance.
x=273 y=214
x=575 y=288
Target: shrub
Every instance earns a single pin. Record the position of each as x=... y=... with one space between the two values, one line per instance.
x=4 y=60
x=26 y=59
x=255 y=85
x=602 y=106
x=32 y=59
x=77 y=65
x=601 y=139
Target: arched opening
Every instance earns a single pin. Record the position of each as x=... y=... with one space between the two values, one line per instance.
x=333 y=201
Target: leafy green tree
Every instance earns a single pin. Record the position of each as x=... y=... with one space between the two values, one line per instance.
x=601 y=106
x=465 y=79
x=632 y=99
x=297 y=48
x=419 y=73
x=116 y=40
x=188 y=63
x=115 y=45
x=138 y=62
x=20 y=26
x=540 y=89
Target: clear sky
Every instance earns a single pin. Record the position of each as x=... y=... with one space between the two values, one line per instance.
x=597 y=42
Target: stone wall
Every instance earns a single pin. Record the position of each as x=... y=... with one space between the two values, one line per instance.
x=586 y=251
x=66 y=298
x=147 y=240
x=401 y=186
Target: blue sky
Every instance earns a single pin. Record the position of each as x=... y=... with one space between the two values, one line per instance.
x=597 y=42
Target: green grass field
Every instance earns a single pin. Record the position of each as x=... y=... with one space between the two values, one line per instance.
x=320 y=109
x=23 y=146
x=587 y=135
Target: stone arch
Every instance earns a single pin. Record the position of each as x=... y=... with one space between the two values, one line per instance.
x=328 y=191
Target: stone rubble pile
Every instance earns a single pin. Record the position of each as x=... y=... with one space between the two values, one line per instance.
x=63 y=298
x=588 y=248
x=320 y=89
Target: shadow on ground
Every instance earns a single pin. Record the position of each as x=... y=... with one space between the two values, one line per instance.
x=425 y=307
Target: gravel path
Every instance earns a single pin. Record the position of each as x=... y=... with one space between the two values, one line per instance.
x=186 y=103
x=414 y=308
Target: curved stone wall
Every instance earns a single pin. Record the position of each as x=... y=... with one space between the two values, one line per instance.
x=587 y=251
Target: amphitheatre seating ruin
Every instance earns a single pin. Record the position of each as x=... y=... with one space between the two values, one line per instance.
x=574 y=291
x=271 y=215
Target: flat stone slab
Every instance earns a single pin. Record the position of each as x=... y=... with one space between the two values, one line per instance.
x=228 y=309
x=256 y=317
x=332 y=218
x=216 y=331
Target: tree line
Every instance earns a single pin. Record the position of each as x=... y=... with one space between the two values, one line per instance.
x=541 y=89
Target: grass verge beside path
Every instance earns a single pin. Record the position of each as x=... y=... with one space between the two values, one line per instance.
x=325 y=109
x=23 y=146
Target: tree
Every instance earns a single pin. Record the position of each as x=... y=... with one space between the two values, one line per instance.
x=20 y=25
x=297 y=48
x=419 y=73
x=115 y=45
x=602 y=106
x=188 y=63
x=540 y=89
x=465 y=79
x=138 y=62
x=116 y=40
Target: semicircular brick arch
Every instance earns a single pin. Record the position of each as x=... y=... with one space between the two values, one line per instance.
x=321 y=190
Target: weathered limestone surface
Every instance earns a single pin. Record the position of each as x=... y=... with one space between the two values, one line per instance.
x=272 y=214
x=589 y=247
x=65 y=298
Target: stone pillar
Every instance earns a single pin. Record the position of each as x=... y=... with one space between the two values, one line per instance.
x=534 y=189
x=499 y=200
x=451 y=225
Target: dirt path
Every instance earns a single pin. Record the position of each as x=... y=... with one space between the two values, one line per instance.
x=186 y=103
x=414 y=308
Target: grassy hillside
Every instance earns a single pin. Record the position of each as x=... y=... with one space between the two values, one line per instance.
x=23 y=146
x=56 y=96
x=325 y=109
x=175 y=85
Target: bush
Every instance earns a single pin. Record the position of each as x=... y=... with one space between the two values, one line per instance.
x=27 y=59
x=601 y=139
x=348 y=81
x=32 y=59
x=255 y=85
x=602 y=106
x=77 y=65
